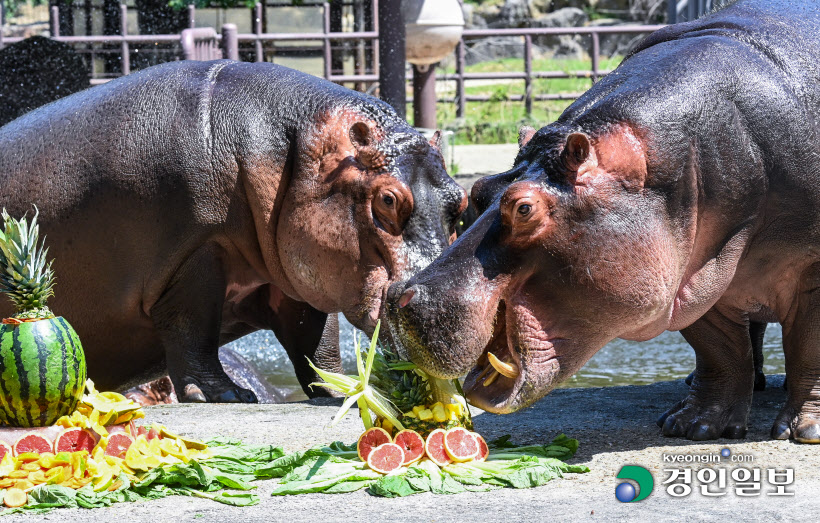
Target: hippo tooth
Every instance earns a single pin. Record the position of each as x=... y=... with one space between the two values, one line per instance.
x=484 y=372
x=507 y=369
x=489 y=381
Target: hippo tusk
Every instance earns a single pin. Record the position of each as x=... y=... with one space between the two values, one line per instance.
x=489 y=381
x=507 y=369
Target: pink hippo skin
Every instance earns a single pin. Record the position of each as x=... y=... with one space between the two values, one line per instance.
x=681 y=192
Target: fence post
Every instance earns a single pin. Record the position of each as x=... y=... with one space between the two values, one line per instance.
x=528 y=75
x=424 y=96
x=391 y=56
x=596 y=51
x=191 y=16
x=328 y=69
x=460 y=102
x=230 y=42
x=257 y=29
x=55 y=21
x=124 y=51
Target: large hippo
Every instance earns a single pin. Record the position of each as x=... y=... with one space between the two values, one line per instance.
x=192 y=203
x=681 y=192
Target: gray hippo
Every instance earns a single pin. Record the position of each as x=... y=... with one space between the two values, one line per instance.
x=192 y=203
x=681 y=192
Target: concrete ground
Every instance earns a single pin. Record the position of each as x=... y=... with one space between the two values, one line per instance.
x=483 y=159
x=615 y=426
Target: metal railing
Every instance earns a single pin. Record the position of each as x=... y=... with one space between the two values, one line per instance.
x=201 y=43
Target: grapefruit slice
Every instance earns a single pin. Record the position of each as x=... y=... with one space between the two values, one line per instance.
x=74 y=439
x=434 y=448
x=483 y=449
x=34 y=443
x=411 y=443
x=118 y=445
x=4 y=449
x=370 y=439
x=15 y=497
x=386 y=458
x=460 y=444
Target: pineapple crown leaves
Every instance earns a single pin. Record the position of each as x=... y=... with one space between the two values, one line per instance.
x=25 y=276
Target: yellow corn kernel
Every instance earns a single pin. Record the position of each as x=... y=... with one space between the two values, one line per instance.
x=426 y=415
x=439 y=414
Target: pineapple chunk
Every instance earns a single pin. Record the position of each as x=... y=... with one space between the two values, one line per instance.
x=418 y=408
x=386 y=425
x=410 y=414
x=453 y=411
x=425 y=414
x=439 y=414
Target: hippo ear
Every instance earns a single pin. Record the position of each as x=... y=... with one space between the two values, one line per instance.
x=525 y=135
x=435 y=141
x=576 y=151
x=367 y=152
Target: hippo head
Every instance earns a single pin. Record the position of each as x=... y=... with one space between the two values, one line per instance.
x=572 y=249
x=370 y=203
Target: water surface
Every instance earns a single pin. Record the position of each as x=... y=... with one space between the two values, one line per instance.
x=621 y=362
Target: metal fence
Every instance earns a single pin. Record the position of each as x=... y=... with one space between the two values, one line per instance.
x=206 y=43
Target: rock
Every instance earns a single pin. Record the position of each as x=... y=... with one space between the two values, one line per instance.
x=472 y=20
x=614 y=44
x=541 y=7
x=494 y=48
x=37 y=71
x=488 y=13
x=514 y=13
x=563 y=46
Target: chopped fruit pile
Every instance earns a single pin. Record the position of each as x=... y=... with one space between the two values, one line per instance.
x=98 y=409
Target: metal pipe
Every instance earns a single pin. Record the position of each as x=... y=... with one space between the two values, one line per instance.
x=191 y=16
x=424 y=96
x=596 y=51
x=55 y=21
x=460 y=57
x=391 y=56
x=124 y=50
x=328 y=66
x=257 y=29
x=230 y=45
x=528 y=75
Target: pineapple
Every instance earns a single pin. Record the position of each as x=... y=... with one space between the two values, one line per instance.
x=25 y=278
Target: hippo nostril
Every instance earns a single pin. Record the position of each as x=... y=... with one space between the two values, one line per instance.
x=406 y=297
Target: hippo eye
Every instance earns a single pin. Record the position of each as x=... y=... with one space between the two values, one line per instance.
x=388 y=200
x=524 y=209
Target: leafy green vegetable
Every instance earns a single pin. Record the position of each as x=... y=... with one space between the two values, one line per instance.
x=333 y=469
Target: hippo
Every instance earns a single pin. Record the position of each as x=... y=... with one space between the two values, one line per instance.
x=681 y=192
x=192 y=203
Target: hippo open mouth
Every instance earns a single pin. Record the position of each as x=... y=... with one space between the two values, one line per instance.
x=501 y=381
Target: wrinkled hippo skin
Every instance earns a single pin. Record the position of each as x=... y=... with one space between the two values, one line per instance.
x=239 y=370
x=681 y=192
x=192 y=203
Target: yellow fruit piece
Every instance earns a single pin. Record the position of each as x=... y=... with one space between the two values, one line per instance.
x=103 y=481
x=152 y=461
x=61 y=458
x=153 y=446
x=115 y=485
x=23 y=484
x=189 y=443
x=436 y=404
x=426 y=414
x=418 y=408
x=79 y=464
x=7 y=464
x=15 y=498
x=17 y=474
x=386 y=425
x=6 y=482
x=134 y=459
x=409 y=414
x=34 y=465
x=37 y=477
x=124 y=418
x=57 y=475
x=439 y=414
x=25 y=457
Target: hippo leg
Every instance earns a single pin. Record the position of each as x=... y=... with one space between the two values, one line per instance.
x=189 y=329
x=757 y=331
x=305 y=333
x=800 y=417
x=721 y=391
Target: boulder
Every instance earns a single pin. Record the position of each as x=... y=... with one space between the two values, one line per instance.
x=37 y=71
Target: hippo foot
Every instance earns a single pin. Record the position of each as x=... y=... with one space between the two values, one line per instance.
x=802 y=427
x=196 y=393
x=697 y=420
x=760 y=380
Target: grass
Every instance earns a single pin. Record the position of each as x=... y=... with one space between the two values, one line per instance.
x=498 y=120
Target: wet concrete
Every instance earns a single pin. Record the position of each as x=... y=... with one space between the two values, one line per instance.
x=615 y=425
